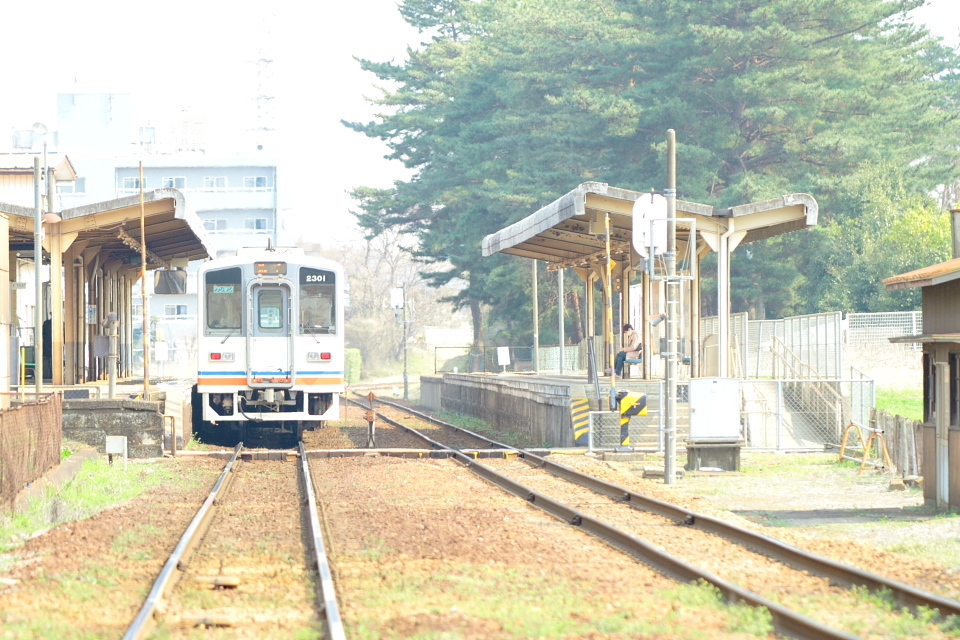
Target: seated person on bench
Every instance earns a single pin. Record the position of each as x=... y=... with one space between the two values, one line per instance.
x=631 y=348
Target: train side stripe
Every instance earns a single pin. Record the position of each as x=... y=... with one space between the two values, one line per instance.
x=211 y=381
x=269 y=373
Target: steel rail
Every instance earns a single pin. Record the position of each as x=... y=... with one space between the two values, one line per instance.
x=843 y=574
x=142 y=622
x=327 y=594
x=785 y=621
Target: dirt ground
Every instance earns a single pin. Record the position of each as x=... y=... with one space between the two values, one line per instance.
x=422 y=548
x=88 y=578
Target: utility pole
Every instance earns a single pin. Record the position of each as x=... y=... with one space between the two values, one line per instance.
x=673 y=312
x=37 y=263
x=406 y=388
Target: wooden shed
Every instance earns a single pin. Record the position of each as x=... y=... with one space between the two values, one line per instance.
x=940 y=338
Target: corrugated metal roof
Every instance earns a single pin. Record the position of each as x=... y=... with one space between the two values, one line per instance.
x=925 y=277
x=172 y=231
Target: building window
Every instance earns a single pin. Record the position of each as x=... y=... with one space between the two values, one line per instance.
x=78 y=186
x=174 y=309
x=929 y=389
x=255 y=182
x=218 y=224
x=138 y=310
x=214 y=182
x=177 y=182
x=955 y=389
x=134 y=183
x=255 y=223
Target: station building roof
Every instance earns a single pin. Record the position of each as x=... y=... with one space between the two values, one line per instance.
x=925 y=276
x=567 y=232
x=172 y=231
x=22 y=164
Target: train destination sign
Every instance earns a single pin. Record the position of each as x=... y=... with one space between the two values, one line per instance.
x=270 y=268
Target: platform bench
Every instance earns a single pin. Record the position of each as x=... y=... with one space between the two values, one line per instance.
x=626 y=366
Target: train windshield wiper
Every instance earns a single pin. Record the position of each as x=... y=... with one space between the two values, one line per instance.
x=232 y=331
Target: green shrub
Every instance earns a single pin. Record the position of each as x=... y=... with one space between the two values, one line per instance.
x=351 y=365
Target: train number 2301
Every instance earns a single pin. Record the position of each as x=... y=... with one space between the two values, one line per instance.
x=318 y=278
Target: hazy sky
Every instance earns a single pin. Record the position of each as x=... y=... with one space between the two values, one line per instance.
x=202 y=54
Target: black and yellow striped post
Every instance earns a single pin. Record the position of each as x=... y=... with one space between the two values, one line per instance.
x=631 y=403
x=580 y=417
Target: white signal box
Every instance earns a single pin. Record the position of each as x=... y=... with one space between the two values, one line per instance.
x=647 y=209
x=714 y=408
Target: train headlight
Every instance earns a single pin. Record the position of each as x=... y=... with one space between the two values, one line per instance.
x=313 y=356
x=223 y=356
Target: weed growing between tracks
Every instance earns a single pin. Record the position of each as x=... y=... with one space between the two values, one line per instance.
x=528 y=603
x=471 y=423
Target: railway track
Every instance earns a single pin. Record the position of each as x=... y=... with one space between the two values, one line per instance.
x=747 y=562
x=213 y=542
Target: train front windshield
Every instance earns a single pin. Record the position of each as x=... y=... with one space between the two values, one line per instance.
x=318 y=304
x=224 y=296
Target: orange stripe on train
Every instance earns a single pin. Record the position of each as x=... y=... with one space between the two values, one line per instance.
x=207 y=381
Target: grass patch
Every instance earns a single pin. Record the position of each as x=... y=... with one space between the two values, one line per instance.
x=903 y=402
x=524 y=603
x=96 y=487
x=770 y=464
x=482 y=427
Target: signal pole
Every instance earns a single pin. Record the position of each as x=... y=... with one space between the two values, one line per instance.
x=673 y=313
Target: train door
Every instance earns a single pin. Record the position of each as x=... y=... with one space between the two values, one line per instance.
x=270 y=353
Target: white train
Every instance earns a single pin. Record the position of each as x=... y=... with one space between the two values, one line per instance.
x=270 y=351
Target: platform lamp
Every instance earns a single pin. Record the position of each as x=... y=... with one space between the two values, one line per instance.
x=39 y=218
x=41 y=130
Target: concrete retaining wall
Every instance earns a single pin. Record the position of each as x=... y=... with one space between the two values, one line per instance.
x=536 y=410
x=91 y=421
x=431 y=392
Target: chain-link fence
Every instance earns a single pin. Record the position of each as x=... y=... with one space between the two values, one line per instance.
x=801 y=414
x=30 y=437
x=816 y=339
x=604 y=429
x=482 y=359
x=550 y=358
x=874 y=329
x=173 y=352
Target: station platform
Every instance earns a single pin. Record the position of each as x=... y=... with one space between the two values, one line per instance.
x=537 y=407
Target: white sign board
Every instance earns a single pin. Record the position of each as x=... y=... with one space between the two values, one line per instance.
x=396 y=297
x=648 y=208
x=503 y=356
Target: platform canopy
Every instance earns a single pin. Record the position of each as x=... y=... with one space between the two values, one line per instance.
x=172 y=231
x=568 y=231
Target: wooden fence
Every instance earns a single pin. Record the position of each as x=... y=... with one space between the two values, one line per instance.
x=904 y=441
